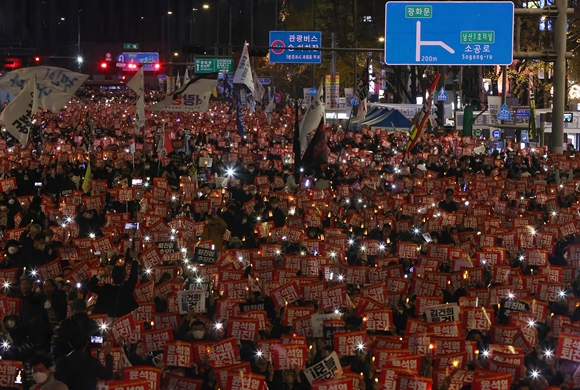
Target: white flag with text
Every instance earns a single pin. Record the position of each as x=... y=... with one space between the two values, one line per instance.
x=55 y=86
x=137 y=84
x=243 y=76
x=192 y=97
x=17 y=116
x=311 y=120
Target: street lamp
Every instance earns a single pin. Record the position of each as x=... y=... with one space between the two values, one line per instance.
x=205 y=6
x=163 y=35
x=381 y=39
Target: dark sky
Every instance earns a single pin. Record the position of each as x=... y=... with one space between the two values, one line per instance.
x=51 y=26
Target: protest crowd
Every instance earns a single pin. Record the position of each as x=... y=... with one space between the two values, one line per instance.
x=188 y=256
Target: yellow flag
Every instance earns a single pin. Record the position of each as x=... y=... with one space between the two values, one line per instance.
x=87 y=180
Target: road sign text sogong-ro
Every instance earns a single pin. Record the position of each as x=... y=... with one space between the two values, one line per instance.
x=449 y=33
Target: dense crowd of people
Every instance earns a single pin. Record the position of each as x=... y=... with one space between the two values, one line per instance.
x=186 y=256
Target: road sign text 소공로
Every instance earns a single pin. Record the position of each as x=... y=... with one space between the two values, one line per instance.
x=449 y=33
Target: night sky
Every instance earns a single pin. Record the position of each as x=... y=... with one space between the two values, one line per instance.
x=49 y=28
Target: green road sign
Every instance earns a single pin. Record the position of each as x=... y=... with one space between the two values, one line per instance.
x=477 y=133
x=213 y=65
x=134 y=46
x=418 y=11
x=468 y=37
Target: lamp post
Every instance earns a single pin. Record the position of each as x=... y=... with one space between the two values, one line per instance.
x=163 y=18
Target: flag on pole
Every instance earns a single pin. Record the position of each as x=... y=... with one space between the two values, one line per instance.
x=193 y=96
x=228 y=93
x=419 y=120
x=243 y=76
x=87 y=134
x=271 y=105
x=259 y=89
x=317 y=152
x=137 y=84
x=240 y=122
x=361 y=95
x=186 y=77
x=311 y=120
x=532 y=126
x=17 y=116
x=177 y=81
x=87 y=179
x=165 y=145
x=55 y=86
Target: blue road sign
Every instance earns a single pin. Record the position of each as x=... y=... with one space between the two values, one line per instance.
x=313 y=91
x=284 y=43
x=442 y=95
x=525 y=136
x=449 y=32
x=264 y=80
x=496 y=134
x=523 y=113
x=145 y=59
x=504 y=113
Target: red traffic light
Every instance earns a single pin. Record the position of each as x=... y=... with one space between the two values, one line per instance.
x=104 y=65
x=157 y=66
x=37 y=59
x=132 y=66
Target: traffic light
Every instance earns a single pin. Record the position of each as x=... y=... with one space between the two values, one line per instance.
x=157 y=66
x=132 y=66
x=104 y=65
x=37 y=59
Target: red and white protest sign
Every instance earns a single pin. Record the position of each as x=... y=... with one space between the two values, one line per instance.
x=178 y=354
x=348 y=343
x=243 y=328
x=289 y=356
x=286 y=294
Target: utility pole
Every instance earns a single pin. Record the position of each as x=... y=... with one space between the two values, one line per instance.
x=557 y=139
x=312 y=76
x=558 y=56
x=217 y=29
x=354 y=25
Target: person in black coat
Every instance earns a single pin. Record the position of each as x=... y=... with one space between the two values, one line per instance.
x=34 y=256
x=276 y=214
x=88 y=221
x=116 y=299
x=54 y=303
x=80 y=371
x=60 y=345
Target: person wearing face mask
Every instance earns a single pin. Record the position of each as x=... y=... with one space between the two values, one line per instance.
x=34 y=256
x=51 y=245
x=54 y=303
x=14 y=208
x=27 y=237
x=12 y=259
x=249 y=175
x=41 y=366
x=190 y=329
x=79 y=319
